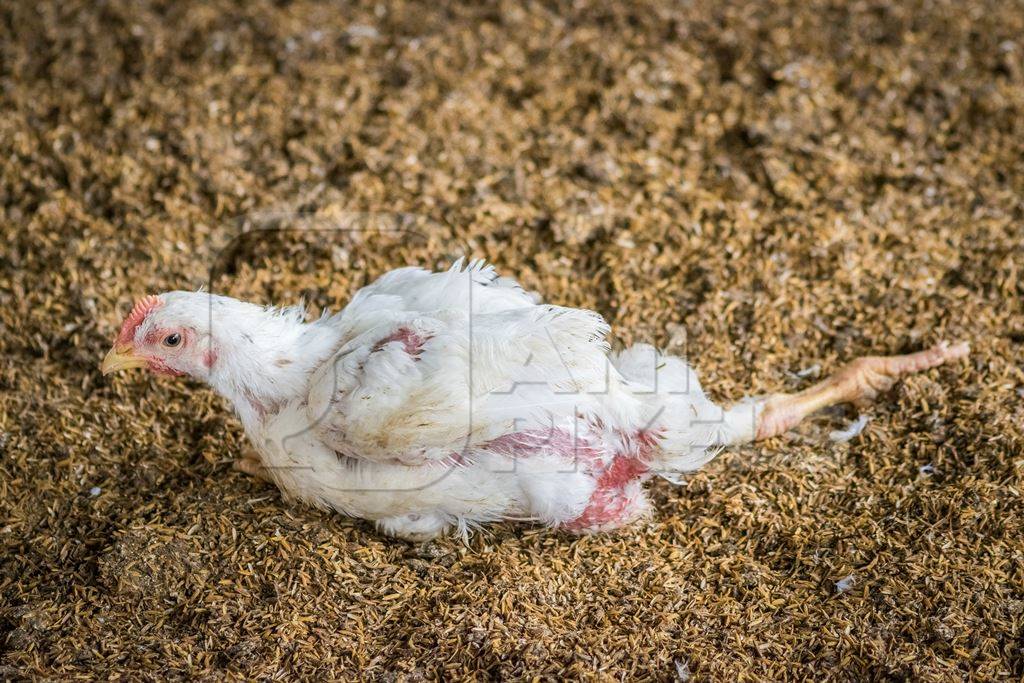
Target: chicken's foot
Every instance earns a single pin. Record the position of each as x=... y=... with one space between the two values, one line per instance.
x=251 y=464
x=859 y=382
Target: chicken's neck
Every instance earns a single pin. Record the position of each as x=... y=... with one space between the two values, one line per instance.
x=262 y=362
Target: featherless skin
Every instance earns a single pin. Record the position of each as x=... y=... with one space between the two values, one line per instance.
x=435 y=402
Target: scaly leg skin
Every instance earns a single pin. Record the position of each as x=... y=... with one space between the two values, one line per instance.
x=858 y=382
x=251 y=464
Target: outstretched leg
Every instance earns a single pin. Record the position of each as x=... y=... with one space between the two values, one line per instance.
x=858 y=382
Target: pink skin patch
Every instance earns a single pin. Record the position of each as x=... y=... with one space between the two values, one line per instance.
x=161 y=368
x=615 y=497
x=412 y=342
x=535 y=441
x=142 y=308
x=520 y=445
x=612 y=503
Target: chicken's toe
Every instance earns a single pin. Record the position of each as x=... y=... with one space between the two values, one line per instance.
x=253 y=467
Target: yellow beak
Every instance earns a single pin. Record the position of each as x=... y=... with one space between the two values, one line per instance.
x=121 y=358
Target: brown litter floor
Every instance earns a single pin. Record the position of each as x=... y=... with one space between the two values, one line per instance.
x=792 y=184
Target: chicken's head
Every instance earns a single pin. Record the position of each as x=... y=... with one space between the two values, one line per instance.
x=169 y=334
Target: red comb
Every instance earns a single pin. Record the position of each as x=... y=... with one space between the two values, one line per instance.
x=142 y=308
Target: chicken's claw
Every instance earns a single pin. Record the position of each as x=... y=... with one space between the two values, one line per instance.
x=859 y=382
x=251 y=464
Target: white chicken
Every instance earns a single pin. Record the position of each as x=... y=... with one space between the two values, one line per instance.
x=436 y=402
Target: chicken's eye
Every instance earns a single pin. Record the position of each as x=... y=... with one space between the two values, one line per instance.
x=172 y=339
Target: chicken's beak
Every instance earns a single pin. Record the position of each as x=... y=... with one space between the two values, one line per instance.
x=121 y=358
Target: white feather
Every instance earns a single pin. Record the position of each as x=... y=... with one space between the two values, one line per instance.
x=393 y=409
